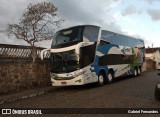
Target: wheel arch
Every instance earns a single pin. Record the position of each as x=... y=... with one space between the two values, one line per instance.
x=111 y=70
x=103 y=71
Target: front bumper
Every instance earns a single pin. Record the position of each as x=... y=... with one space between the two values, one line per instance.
x=75 y=81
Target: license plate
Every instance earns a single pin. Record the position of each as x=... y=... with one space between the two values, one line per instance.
x=63 y=83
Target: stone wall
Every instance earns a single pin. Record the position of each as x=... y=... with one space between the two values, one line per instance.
x=18 y=72
x=19 y=75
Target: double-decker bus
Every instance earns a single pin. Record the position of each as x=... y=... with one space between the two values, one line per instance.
x=86 y=54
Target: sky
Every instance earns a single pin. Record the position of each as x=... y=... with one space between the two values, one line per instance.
x=137 y=18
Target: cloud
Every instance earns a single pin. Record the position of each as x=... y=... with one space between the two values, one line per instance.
x=75 y=12
x=11 y=10
x=95 y=12
x=154 y=14
x=130 y=10
x=8 y=12
x=152 y=1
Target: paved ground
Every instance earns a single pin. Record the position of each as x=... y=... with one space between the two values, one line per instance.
x=124 y=93
x=11 y=97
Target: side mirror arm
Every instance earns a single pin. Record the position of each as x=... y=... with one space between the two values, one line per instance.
x=42 y=53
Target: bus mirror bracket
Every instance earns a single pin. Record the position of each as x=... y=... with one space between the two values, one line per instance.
x=42 y=53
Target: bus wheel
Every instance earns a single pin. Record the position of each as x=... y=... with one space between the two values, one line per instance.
x=101 y=79
x=139 y=70
x=110 y=77
x=135 y=72
x=157 y=91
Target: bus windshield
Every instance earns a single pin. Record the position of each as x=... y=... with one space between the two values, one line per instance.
x=67 y=37
x=64 y=62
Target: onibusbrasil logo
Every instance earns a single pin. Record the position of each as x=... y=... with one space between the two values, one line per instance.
x=21 y=111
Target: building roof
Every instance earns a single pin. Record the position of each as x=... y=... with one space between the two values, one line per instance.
x=152 y=50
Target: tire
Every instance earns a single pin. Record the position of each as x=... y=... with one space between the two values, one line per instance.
x=135 y=73
x=157 y=92
x=110 y=77
x=139 y=71
x=101 y=79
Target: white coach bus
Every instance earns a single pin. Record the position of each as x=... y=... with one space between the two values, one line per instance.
x=87 y=54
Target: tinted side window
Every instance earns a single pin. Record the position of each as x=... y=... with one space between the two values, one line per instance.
x=103 y=42
x=109 y=36
x=87 y=55
x=90 y=34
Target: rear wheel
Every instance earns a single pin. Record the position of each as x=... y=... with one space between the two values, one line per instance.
x=110 y=77
x=157 y=92
x=135 y=72
x=139 y=70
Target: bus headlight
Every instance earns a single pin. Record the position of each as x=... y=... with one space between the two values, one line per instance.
x=53 y=75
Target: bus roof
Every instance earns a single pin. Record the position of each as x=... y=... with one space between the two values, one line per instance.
x=102 y=29
x=77 y=27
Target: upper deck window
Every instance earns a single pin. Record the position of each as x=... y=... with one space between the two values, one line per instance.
x=90 y=34
x=67 y=37
x=122 y=40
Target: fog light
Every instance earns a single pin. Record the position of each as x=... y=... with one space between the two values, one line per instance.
x=53 y=75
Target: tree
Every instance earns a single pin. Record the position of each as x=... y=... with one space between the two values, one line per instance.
x=37 y=24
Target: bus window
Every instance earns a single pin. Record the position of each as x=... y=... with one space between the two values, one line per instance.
x=67 y=37
x=91 y=34
x=87 y=57
x=102 y=42
x=109 y=36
